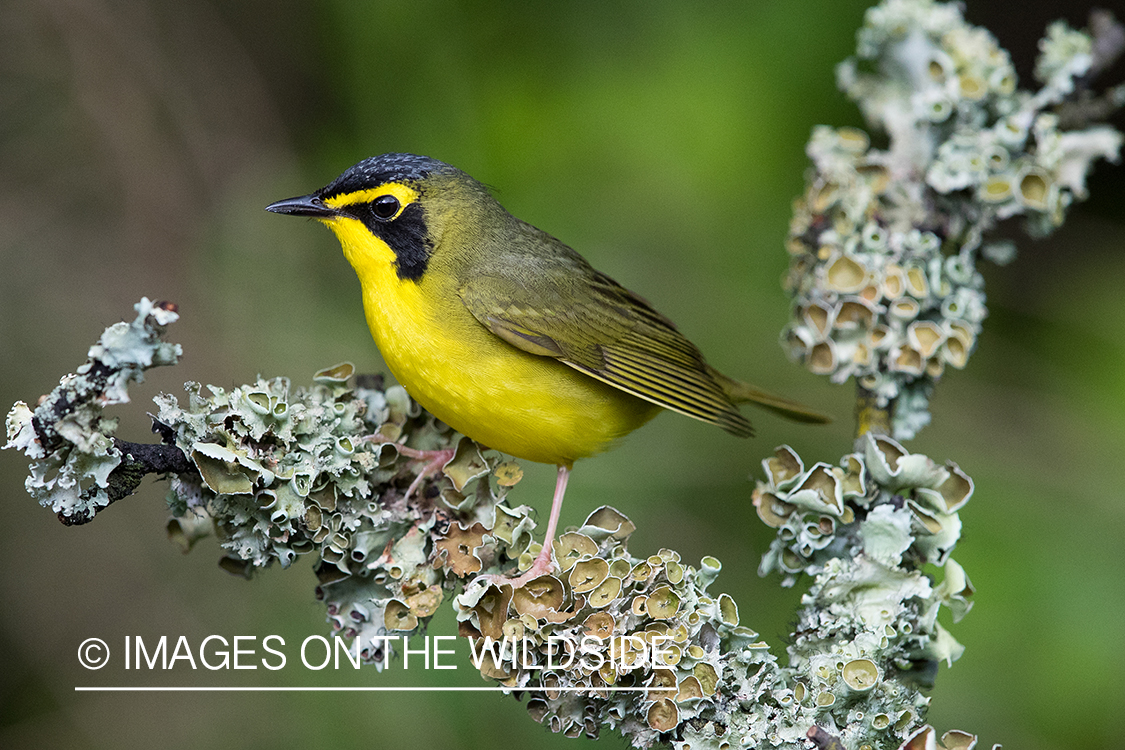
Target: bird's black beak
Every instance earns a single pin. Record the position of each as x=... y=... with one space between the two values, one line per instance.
x=305 y=205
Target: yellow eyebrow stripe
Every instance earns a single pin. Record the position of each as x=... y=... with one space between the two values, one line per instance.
x=406 y=195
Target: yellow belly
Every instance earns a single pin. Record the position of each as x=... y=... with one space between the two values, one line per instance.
x=527 y=406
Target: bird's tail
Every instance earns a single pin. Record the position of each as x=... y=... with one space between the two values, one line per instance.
x=741 y=393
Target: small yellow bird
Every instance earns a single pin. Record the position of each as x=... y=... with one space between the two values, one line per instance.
x=505 y=333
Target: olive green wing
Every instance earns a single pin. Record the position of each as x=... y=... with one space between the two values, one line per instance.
x=559 y=306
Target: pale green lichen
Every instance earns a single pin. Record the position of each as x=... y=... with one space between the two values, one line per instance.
x=285 y=472
x=885 y=503
x=885 y=242
x=871 y=613
x=866 y=643
x=278 y=472
x=616 y=608
x=67 y=435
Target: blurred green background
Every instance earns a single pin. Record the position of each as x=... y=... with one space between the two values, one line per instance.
x=139 y=142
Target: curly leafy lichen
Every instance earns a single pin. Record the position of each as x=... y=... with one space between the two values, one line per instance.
x=283 y=472
x=67 y=436
x=867 y=635
x=278 y=472
x=885 y=503
x=885 y=243
x=609 y=620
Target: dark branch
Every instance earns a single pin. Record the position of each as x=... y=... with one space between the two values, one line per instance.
x=56 y=406
x=138 y=460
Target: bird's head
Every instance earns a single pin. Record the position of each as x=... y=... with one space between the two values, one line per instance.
x=397 y=208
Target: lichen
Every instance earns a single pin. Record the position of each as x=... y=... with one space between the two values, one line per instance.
x=867 y=636
x=607 y=640
x=67 y=435
x=885 y=244
x=609 y=620
x=316 y=471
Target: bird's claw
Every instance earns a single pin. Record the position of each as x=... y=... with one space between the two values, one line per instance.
x=437 y=459
x=543 y=565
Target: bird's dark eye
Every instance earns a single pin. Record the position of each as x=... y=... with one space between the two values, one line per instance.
x=385 y=206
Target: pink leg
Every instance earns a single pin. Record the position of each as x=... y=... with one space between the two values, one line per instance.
x=437 y=459
x=543 y=562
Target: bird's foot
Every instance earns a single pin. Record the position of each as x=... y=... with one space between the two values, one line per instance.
x=543 y=565
x=436 y=460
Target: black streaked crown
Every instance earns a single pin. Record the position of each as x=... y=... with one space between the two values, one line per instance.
x=377 y=170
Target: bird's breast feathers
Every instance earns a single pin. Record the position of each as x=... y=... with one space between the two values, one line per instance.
x=529 y=406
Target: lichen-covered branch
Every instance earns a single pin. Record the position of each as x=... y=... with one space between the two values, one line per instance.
x=138 y=460
x=885 y=243
x=884 y=250
x=77 y=467
x=277 y=472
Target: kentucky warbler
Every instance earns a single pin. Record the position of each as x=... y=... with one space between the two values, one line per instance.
x=505 y=333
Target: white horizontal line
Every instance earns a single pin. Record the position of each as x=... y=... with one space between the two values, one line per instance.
x=381 y=689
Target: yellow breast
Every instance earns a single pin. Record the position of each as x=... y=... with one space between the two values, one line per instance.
x=527 y=406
